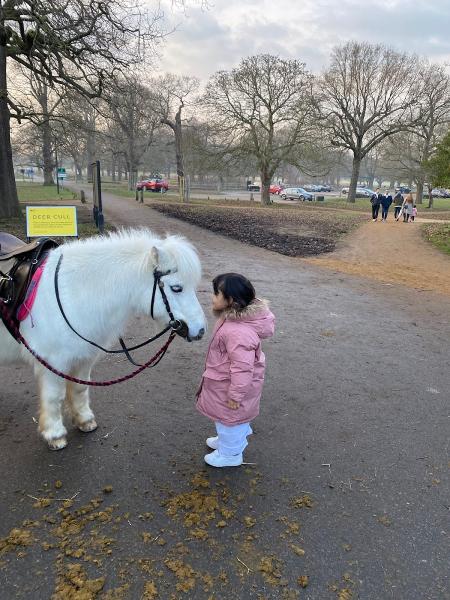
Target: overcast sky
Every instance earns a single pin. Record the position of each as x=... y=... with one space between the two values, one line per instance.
x=209 y=40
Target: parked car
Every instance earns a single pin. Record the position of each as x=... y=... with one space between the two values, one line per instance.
x=403 y=189
x=276 y=188
x=253 y=187
x=296 y=193
x=317 y=187
x=153 y=184
x=360 y=192
x=440 y=193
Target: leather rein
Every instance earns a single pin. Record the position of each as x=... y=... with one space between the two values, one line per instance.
x=177 y=326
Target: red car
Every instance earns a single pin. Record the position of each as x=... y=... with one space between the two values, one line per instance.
x=153 y=184
x=275 y=188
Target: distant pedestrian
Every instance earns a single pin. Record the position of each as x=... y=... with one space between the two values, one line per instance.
x=408 y=208
x=232 y=382
x=376 y=201
x=398 y=203
x=386 y=201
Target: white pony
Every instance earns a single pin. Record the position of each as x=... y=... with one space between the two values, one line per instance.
x=103 y=282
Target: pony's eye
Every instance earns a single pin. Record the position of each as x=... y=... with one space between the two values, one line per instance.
x=176 y=289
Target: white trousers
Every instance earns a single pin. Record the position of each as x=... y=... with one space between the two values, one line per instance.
x=232 y=438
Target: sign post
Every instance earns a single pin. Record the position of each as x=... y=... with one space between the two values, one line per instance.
x=97 y=195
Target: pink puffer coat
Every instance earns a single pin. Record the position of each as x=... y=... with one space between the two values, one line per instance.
x=235 y=365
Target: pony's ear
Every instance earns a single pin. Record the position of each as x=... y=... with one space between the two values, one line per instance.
x=154 y=253
x=159 y=258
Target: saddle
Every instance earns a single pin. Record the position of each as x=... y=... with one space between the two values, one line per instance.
x=18 y=262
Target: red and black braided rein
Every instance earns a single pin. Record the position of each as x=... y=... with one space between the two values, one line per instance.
x=155 y=359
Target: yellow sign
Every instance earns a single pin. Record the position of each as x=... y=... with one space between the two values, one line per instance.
x=52 y=221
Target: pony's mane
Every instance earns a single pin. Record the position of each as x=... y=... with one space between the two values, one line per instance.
x=135 y=245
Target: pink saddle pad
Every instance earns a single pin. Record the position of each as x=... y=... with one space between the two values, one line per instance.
x=25 y=308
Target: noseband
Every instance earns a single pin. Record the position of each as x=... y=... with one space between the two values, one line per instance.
x=177 y=326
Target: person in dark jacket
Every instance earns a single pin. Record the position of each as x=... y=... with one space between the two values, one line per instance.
x=398 y=203
x=385 y=201
x=376 y=201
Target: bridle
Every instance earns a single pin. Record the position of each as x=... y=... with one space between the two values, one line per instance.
x=175 y=325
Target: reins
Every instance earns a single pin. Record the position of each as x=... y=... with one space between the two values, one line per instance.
x=152 y=362
x=176 y=326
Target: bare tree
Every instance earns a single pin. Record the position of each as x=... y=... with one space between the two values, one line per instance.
x=77 y=44
x=411 y=150
x=433 y=85
x=41 y=108
x=171 y=96
x=263 y=108
x=132 y=116
x=366 y=97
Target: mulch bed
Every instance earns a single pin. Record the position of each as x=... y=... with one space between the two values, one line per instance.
x=295 y=231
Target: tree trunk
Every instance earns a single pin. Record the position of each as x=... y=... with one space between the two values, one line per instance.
x=132 y=164
x=48 y=164
x=77 y=172
x=370 y=181
x=266 y=178
x=354 y=179
x=90 y=148
x=419 y=190
x=9 y=203
x=179 y=156
x=132 y=179
x=430 y=197
x=176 y=127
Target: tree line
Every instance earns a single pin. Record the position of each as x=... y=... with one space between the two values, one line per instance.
x=79 y=86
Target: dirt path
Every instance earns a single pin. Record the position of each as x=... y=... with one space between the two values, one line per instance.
x=390 y=252
x=354 y=418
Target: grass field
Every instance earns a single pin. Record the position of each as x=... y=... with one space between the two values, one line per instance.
x=439 y=235
x=36 y=193
x=441 y=207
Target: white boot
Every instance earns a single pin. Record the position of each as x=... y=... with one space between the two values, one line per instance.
x=218 y=460
x=213 y=442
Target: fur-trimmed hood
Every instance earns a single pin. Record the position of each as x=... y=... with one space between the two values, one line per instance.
x=257 y=314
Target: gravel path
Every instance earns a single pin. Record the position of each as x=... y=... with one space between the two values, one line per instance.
x=392 y=252
x=354 y=418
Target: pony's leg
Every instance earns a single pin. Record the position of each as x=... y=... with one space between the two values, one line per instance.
x=52 y=393
x=78 y=401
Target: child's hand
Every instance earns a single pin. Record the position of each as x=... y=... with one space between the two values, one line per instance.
x=232 y=404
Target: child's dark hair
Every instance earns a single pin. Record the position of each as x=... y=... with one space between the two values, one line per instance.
x=236 y=287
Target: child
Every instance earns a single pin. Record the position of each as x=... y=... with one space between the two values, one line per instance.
x=414 y=213
x=232 y=382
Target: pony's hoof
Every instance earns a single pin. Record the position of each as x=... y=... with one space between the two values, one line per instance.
x=57 y=443
x=88 y=426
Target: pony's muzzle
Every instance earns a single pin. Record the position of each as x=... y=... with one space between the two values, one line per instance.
x=182 y=329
